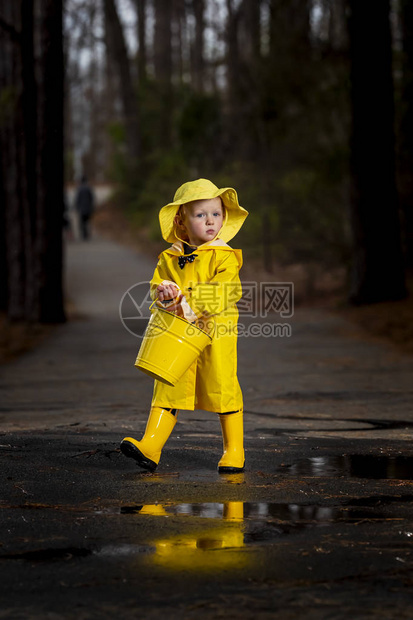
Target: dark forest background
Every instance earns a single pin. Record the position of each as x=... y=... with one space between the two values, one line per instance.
x=305 y=106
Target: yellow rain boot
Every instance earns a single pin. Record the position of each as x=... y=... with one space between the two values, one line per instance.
x=233 y=459
x=147 y=451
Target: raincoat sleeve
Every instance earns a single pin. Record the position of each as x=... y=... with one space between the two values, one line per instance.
x=179 y=304
x=222 y=291
x=161 y=273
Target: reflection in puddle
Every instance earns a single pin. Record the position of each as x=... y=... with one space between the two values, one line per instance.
x=203 y=549
x=216 y=537
x=355 y=466
x=236 y=530
x=287 y=515
x=238 y=511
x=228 y=511
x=124 y=550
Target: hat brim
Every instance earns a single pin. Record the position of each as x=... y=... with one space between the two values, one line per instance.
x=235 y=214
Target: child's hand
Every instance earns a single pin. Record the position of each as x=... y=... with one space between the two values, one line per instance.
x=167 y=291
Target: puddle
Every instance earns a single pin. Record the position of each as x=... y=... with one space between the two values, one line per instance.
x=211 y=536
x=353 y=466
x=124 y=550
x=293 y=515
x=217 y=537
x=382 y=500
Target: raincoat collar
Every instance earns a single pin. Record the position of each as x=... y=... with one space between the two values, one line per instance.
x=177 y=249
x=188 y=249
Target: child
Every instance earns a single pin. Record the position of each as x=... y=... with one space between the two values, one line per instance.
x=197 y=278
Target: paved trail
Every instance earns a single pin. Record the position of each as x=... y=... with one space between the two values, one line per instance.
x=319 y=526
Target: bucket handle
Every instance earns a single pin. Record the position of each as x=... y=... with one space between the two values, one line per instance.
x=156 y=299
x=153 y=303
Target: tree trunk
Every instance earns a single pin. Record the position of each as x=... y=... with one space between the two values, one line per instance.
x=233 y=66
x=289 y=28
x=111 y=110
x=4 y=169
x=198 y=46
x=13 y=156
x=163 y=42
x=3 y=254
x=29 y=166
x=406 y=128
x=142 y=53
x=32 y=160
x=337 y=30
x=378 y=272
x=179 y=62
x=163 y=65
x=250 y=77
x=251 y=31
x=117 y=48
x=51 y=169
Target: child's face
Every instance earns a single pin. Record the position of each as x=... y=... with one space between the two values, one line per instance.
x=201 y=220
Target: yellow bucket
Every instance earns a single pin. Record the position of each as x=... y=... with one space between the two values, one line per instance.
x=170 y=345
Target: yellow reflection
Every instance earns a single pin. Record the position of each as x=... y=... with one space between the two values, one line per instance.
x=214 y=548
x=234 y=511
x=156 y=510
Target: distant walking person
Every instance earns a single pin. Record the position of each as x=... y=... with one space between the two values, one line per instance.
x=85 y=206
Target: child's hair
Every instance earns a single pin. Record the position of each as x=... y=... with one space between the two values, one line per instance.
x=180 y=216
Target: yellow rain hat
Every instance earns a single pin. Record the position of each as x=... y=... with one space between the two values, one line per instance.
x=203 y=189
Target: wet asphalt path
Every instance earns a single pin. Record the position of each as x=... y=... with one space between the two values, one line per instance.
x=320 y=525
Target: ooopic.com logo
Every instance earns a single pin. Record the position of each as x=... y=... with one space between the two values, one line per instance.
x=259 y=300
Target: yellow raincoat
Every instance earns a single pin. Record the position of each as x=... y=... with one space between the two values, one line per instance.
x=211 y=286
